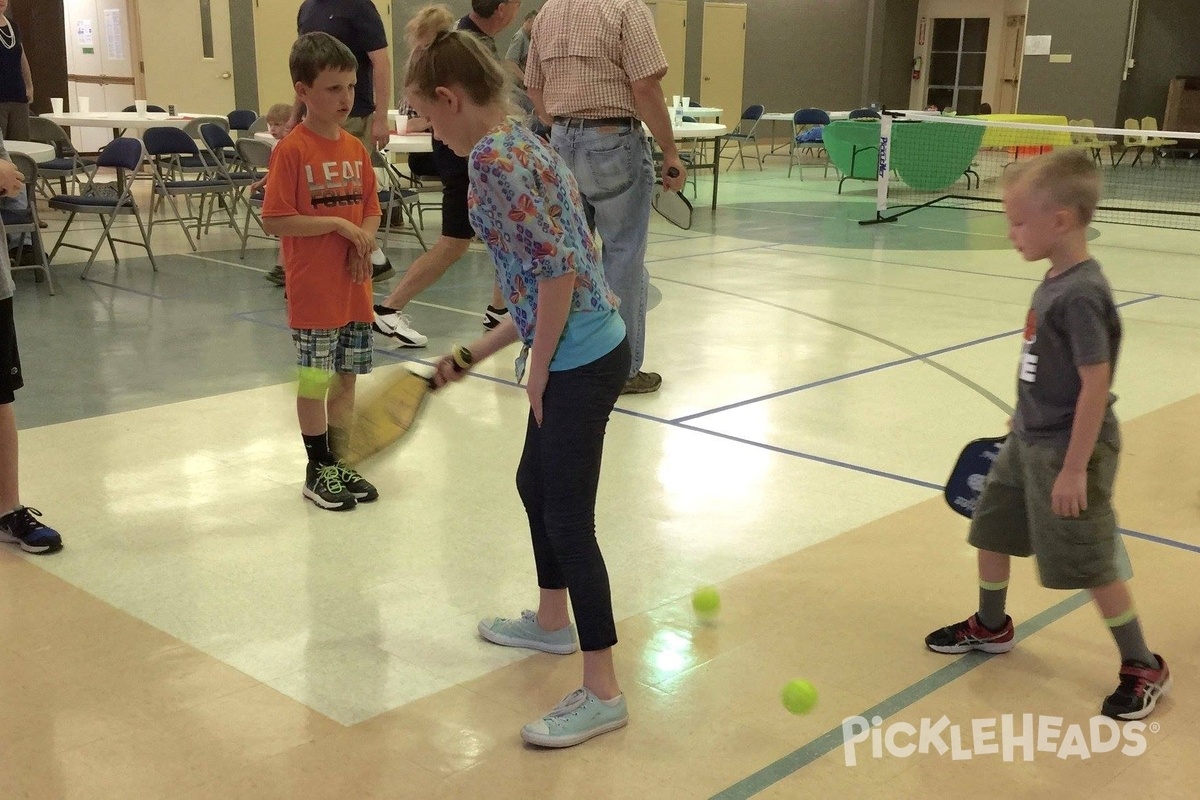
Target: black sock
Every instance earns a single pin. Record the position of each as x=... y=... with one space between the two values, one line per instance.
x=317 y=448
x=383 y=310
x=992 y=597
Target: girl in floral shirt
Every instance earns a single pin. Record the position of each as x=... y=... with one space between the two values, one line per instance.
x=525 y=205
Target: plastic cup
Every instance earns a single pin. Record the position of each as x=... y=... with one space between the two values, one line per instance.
x=140 y=105
x=56 y=103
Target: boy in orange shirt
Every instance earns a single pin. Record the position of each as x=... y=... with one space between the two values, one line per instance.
x=322 y=201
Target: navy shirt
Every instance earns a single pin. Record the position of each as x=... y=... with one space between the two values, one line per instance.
x=12 y=82
x=356 y=24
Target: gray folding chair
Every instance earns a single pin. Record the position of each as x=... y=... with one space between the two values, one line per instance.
x=27 y=222
x=394 y=195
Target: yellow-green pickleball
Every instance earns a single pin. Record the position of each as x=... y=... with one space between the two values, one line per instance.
x=799 y=697
x=706 y=602
x=314 y=382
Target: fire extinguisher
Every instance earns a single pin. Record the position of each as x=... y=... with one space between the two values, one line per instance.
x=916 y=72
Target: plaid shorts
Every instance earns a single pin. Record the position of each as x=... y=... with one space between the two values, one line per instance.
x=344 y=349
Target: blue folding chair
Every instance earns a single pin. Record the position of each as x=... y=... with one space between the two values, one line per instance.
x=168 y=147
x=241 y=119
x=804 y=122
x=743 y=135
x=126 y=156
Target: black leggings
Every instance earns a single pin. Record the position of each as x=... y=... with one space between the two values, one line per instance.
x=557 y=480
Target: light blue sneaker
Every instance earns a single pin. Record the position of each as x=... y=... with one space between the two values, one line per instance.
x=579 y=717
x=525 y=632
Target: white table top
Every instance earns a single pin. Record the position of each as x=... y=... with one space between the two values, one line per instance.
x=39 y=152
x=700 y=112
x=696 y=130
x=786 y=116
x=410 y=143
x=123 y=119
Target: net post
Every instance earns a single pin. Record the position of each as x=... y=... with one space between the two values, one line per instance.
x=884 y=173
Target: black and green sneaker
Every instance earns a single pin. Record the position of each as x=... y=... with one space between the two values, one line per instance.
x=356 y=484
x=324 y=486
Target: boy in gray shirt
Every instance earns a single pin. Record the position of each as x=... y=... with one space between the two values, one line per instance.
x=1049 y=492
x=18 y=524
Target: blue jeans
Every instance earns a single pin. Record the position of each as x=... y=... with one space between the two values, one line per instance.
x=615 y=173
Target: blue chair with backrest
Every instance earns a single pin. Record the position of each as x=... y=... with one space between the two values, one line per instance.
x=743 y=133
x=229 y=165
x=26 y=221
x=241 y=119
x=864 y=113
x=127 y=156
x=167 y=147
x=807 y=124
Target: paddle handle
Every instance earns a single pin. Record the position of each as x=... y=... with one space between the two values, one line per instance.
x=673 y=172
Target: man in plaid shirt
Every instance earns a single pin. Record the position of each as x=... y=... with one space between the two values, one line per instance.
x=595 y=72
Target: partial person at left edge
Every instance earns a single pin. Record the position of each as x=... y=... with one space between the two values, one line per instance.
x=19 y=524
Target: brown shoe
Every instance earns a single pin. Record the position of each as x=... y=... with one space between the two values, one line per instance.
x=643 y=383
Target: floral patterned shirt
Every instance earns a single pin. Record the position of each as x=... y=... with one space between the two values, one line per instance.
x=525 y=205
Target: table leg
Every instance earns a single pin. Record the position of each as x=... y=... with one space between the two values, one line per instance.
x=716 y=168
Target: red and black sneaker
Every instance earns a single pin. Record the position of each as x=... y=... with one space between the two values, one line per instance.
x=1139 y=691
x=962 y=637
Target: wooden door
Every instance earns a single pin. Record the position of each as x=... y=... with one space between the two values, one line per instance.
x=723 y=61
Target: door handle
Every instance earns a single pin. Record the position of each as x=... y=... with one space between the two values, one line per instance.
x=225 y=75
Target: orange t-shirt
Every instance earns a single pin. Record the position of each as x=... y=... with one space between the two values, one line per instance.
x=312 y=176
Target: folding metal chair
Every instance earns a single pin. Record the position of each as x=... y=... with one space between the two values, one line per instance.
x=393 y=195
x=168 y=146
x=67 y=163
x=27 y=222
x=255 y=155
x=127 y=156
x=751 y=115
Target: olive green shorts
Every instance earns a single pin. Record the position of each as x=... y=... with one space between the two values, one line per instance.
x=1014 y=516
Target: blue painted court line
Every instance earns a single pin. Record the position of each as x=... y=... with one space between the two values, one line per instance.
x=831 y=740
x=833 y=462
x=1150 y=537
x=127 y=289
x=875 y=368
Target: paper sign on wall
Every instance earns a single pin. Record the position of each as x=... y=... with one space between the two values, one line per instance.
x=84 y=34
x=1037 y=45
x=114 y=39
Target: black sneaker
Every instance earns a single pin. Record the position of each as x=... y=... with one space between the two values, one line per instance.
x=970 y=634
x=1139 y=691
x=325 y=488
x=381 y=272
x=275 y=276
x=356 y=484
x=494 y=316
x=22 y=527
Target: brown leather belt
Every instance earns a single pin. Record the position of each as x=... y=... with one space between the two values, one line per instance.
x=603 y=122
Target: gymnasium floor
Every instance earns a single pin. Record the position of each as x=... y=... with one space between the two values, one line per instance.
x=208 y=634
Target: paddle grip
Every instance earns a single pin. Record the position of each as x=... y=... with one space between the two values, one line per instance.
x=463 y=360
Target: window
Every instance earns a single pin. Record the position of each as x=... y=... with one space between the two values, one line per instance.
x=956 y=64
x=206 y=29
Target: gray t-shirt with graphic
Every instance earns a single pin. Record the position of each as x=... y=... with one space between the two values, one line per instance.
x=1072 y=323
